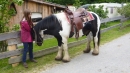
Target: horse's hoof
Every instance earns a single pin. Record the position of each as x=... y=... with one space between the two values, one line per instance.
x=87 y=51
x=95 y=54
x=65 y=61
x=58 y=59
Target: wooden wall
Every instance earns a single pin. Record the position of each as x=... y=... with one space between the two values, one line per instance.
x=16 y=18
x=46 y=10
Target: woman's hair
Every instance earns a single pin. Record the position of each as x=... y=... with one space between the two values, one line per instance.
x=27 y=17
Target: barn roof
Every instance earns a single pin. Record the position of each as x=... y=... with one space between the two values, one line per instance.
x=50 y=4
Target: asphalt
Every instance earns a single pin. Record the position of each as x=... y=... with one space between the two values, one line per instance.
x=114 y=57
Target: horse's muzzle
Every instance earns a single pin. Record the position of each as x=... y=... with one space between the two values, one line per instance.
x=39 y=44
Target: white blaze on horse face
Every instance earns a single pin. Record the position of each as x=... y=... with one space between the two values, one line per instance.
x=41 y=33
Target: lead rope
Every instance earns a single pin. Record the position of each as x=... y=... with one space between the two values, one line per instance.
x=36 y=37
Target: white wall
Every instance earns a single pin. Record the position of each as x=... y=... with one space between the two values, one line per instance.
x=111 y=7
x=72 y=8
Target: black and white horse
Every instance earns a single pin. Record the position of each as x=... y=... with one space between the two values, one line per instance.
x=58 y=26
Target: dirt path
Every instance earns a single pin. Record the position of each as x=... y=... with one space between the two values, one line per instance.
x=114 y=57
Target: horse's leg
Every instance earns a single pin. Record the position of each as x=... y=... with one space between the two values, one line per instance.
x=66 y=57
x=89 y=39
x=96 y=41
x=96 y=48
x=59 y=55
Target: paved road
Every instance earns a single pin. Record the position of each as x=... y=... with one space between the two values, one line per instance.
x=114 y=57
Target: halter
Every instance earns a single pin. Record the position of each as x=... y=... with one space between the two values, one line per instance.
x=36 y=37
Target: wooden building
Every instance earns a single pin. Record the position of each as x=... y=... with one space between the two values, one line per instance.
x=39 y=9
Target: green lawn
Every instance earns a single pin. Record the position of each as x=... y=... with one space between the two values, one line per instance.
x=48 y=60
x=52 y=42
x=108 y=24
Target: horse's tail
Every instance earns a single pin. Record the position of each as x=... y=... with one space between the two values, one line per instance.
x=99 y=31
x=99 y=35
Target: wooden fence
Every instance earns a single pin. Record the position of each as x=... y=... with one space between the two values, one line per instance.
x=13 y=39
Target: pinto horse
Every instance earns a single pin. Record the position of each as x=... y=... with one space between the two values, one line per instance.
x=59 y=26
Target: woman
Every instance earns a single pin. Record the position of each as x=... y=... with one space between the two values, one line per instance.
x=26 y=25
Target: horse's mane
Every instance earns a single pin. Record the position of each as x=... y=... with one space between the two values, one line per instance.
x=49 y=22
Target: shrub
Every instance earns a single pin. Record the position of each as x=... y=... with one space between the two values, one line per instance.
x=102 y=13
x=125 y=10
x=5 y=14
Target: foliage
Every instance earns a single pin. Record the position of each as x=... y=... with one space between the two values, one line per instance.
x=5 y=14
x=102 y=13
x=125 y=10
x=77 y=3
x=16 y=27
x=108 y=1
x=62 y=2
x=71 y=2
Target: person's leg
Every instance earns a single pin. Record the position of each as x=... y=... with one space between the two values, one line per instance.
x=31 y=52
x=25 y=50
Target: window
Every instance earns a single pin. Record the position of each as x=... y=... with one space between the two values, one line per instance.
x=111 y=10
x=36 y=16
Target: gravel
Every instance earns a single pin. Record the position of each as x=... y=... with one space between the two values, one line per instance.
x=114 y=57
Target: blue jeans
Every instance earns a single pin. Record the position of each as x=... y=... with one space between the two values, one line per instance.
x=28 y=46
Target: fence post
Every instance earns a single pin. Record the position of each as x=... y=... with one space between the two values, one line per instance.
x=121 y=23
x=121 y=20
x=11 y=48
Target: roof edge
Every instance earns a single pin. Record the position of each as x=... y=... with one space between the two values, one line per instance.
x=49 y=3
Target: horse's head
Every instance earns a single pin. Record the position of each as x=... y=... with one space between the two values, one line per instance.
x=38 y=37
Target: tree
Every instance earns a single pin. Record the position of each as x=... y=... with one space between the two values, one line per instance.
x=102 y=13
x=77 y=3
x=62 y=2
x=71 y=2
x=125 y=10
x=5 y=14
